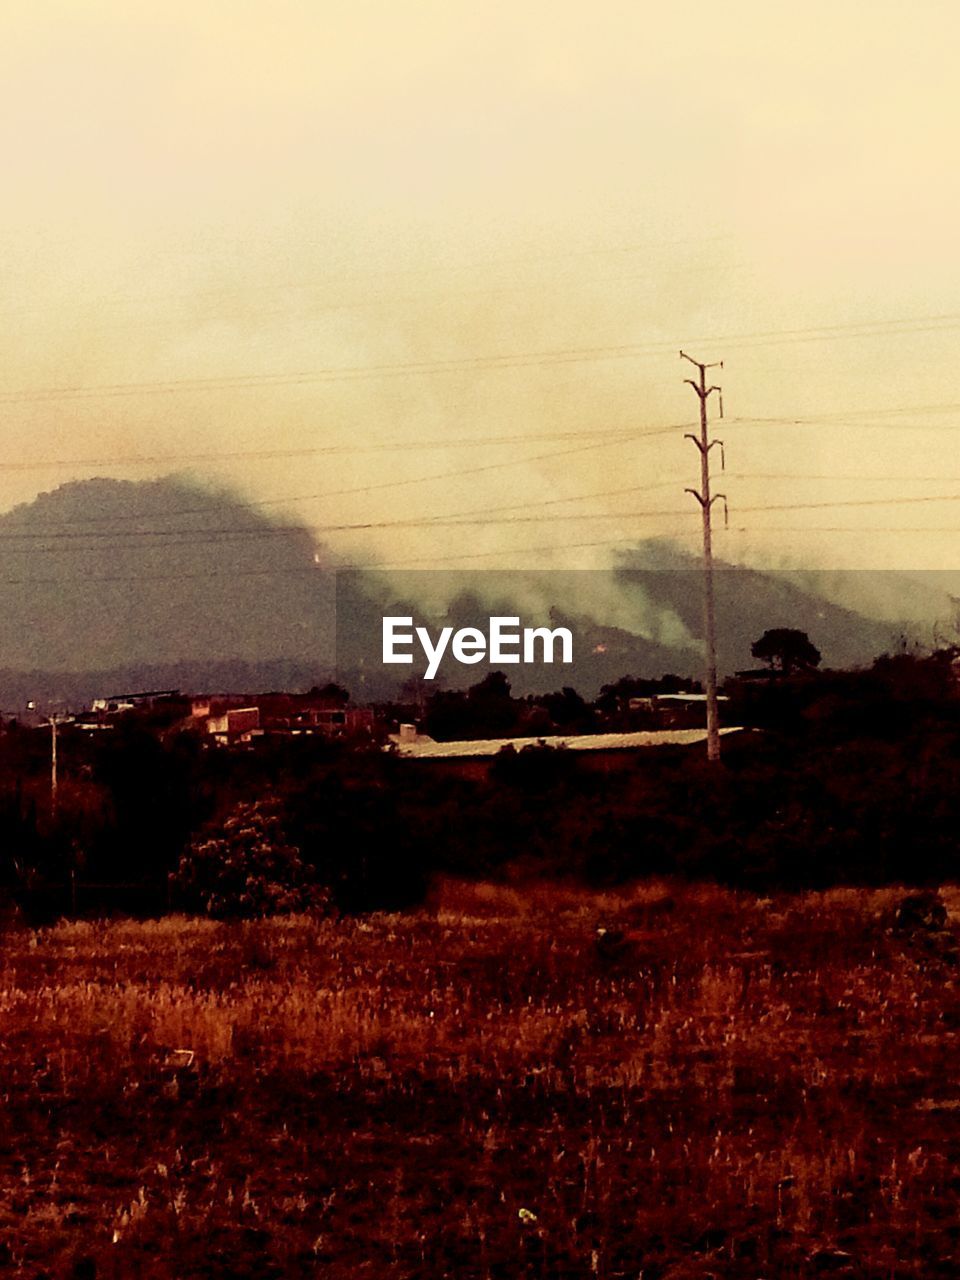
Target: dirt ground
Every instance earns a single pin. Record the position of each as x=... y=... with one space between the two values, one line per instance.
x=668 y=1082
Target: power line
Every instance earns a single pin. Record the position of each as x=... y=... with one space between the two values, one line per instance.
x=854 y=502
x=593 y=443
x=462 y=517
x=859 y=477
x=578 y=497
x=438 y=442
x=860 y=423
x=314 y=570
x=332 y=373
x=884 y=411
x=825 y=333
x=471 y=364
x=191 y=537
x=435 y=442
x=196 y=537
x=262 y=455
x=631 y=515
x=843 y=528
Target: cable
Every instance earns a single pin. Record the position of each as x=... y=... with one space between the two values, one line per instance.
x=854 y=502
x=855 y=423
x=579 y=497
x=227 y=382
x=424 y=522
x=261 y=455
x=884 y=412
x=837 y=475
x=314 y=570
x=822 y=528
x=198 y=537
x=191 y=537
x=620 y=438
x=466 y=364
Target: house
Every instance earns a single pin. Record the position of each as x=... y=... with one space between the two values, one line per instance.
x=334 y=722
x=144 y=700
x=236 y=724
x=598 y=752
x=674 y=710
x=316 y=714
x=203 y=706
x=93 y=721
x=233 y=718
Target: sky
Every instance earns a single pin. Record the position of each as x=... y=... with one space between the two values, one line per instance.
x=385 y=263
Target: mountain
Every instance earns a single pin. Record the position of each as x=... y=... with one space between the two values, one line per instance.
x=108 y=586
x=109 y=573
x=643 y=616
x=749 y=601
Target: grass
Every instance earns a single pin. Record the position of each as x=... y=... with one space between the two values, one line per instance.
x=735 y=1087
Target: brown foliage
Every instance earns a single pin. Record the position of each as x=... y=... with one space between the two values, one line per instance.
x=756 y=1087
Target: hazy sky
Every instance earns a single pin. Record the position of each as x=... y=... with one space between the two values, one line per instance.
x=265 y=197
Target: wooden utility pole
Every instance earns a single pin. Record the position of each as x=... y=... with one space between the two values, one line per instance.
x=53 y=766
x=706 y=500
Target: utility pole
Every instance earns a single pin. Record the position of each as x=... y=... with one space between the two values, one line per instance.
x=706 y=500
x=53 y=766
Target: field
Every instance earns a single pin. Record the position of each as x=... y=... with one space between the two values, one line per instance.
x=719 y=1085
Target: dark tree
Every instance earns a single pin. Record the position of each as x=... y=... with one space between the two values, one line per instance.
x=786 y=650
x=566 y=709
x=331 y=691
x=615 y=696
x=485 y=710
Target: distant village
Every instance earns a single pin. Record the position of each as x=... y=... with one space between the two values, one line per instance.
x=607 y=735
x=223 y=719
x=463 y=731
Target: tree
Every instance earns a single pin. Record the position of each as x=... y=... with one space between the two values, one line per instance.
x=247 y=868
x=332 y=692
x=566 y=709
x=614 y=697
x=786 y=650
x=485 y=710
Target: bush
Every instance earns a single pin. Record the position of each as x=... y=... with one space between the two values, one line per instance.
x=248 y=869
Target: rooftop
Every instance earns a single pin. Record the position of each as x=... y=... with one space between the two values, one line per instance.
x=423 y=747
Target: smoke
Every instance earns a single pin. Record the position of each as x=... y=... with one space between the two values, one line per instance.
x=601 y=596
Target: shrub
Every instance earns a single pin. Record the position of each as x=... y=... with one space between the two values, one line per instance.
x=248 y=869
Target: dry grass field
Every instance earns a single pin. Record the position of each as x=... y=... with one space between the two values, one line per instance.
x=719 y=1085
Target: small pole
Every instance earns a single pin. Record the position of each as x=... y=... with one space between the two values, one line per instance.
x=53 y=766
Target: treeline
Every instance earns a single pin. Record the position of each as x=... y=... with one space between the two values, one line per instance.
x=852 y=777
x=489 y=709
